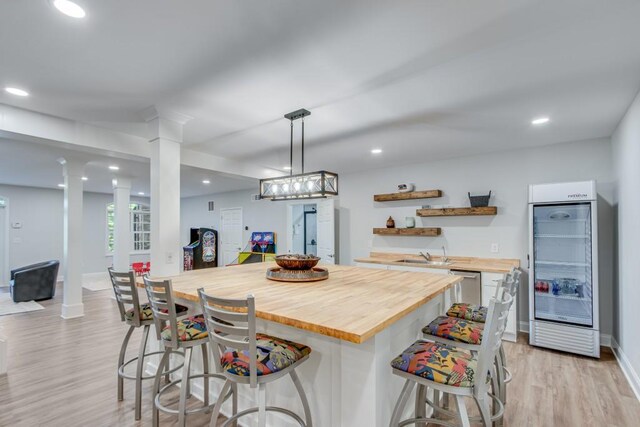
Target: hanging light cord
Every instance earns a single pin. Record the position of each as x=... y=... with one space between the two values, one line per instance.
x=303 y=145
x=291 y=152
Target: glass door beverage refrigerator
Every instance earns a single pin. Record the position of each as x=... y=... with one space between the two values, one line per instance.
x=563 y=267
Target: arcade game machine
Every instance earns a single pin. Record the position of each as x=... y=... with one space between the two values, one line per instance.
x=262 y=248
x=203 y=251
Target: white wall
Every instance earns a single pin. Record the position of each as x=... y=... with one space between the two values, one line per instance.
x=626 y=156
x=40 y=211
x=507 y=174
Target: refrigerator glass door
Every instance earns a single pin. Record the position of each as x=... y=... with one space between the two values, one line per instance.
x=562 y=263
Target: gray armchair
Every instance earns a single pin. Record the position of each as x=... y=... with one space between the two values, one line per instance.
x=34 y=282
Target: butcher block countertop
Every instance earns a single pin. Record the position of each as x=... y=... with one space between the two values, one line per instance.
x=353 y=304
x=487 y=265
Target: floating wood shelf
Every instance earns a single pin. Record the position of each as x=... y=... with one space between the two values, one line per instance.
x=419 y=231
x=427 y=194
x=487 y=210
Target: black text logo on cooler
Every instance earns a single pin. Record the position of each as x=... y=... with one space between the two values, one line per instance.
x=577 y=196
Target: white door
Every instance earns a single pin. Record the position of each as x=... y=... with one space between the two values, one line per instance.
x=4 y=246
x=326 y=231
x=230 y=234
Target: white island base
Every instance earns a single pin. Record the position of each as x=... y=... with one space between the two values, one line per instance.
x=347 y=384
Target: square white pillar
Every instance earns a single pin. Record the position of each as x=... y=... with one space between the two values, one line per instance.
x=72 y=305
x=122 y=223
x=166 y=128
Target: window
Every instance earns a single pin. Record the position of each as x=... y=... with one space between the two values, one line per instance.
x=140 y=227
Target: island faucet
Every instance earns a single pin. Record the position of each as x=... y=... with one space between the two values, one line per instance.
x=426 y=256
x=444 y=255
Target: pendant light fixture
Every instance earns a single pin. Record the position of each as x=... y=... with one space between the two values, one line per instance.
x=310 y=185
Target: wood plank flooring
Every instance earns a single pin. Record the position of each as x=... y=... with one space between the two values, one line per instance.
x=62 y=373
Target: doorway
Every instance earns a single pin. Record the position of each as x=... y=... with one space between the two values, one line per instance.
x=4 y=242
x=230 y=234
x=305 y=229
x=311 y=229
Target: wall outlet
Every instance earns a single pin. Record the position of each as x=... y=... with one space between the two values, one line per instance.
x=495 y=248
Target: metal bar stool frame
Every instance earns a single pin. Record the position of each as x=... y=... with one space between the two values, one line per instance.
x=510 y=284
x=238 y=332
x=162 y=304
x=126 y=294
x=496 y=322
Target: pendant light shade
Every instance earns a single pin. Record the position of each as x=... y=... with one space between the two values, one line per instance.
x=310 y=185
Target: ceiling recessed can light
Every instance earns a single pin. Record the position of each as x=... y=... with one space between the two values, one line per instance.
x=140 y=193
x=69 y=8
x=206 y=181
x=287 y=168
x=84 y=178
x=540 y=121
x=114 y=167
x=376 y=151
x=61 y=185
x=16 y=91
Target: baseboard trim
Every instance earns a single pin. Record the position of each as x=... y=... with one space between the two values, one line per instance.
x=72 y=311
x=627 y=369
x=606 y=340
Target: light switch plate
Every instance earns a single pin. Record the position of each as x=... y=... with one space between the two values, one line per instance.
x=169 y=257
x=495 y=248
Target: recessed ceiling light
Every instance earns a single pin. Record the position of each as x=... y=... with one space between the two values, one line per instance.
x=84 y=178
x=376 y=151
x=114 y=167
x=206 y=181
x=140 y=193
x=16 y=91
x=69 y=8
x=61 y=185
x=287 y=168
x=540 y=121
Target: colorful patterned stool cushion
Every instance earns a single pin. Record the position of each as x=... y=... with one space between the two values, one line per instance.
x=455 y=329
x=189 y=329
x=147 y=314
x=477 y=313
x=439 y=363
x=274 y=354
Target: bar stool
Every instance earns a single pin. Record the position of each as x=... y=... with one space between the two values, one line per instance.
x=454 y=371
x=464 y=324
x=135 y=315
x=251 y=358
x=179 y=334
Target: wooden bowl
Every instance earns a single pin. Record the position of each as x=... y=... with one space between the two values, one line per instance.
x=289 y=263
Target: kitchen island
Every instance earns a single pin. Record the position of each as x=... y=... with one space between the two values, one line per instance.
x=356 y=321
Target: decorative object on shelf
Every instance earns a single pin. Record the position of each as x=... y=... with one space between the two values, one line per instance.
x=419 y=231
x=479 y=201
x=425 y=194
x=391 y=223
x=282 y=275
x=405 y=188
x=410 y=222
x=310 y=185
x=487 y=210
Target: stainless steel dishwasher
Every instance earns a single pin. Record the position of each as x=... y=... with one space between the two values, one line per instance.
x=469 y=287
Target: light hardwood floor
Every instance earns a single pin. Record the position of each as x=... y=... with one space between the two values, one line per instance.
x=61 y=373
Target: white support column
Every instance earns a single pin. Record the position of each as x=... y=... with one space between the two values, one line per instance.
x=72 y=305
x=166 y=131
x=122 y=223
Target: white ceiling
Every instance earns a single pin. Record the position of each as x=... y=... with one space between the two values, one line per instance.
x=36 y=165
x=421 y=79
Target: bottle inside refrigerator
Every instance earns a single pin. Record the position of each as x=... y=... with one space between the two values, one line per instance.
x=563 y=267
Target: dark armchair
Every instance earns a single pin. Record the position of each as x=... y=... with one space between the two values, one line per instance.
x=34 y=282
